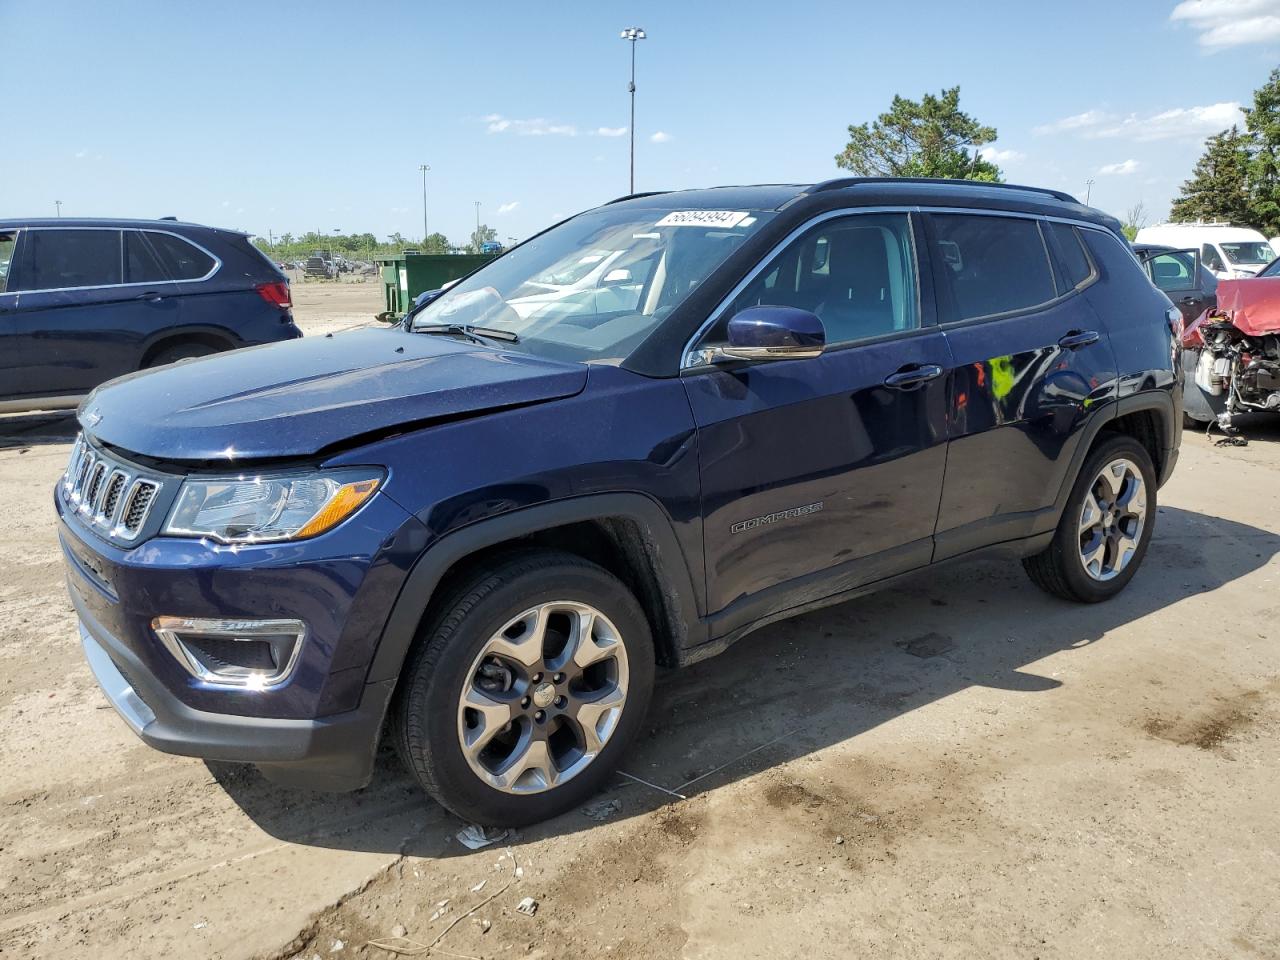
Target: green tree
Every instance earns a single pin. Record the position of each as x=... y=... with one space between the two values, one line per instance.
x=932 y=138
x=1263 y=123
x=480 y=236
x=1219 y=187
x=436 y=243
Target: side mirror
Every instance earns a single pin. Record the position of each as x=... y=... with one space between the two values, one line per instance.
x=774 y=333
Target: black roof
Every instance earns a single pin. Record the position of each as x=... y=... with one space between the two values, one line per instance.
x=14 y=223
x=868 y=191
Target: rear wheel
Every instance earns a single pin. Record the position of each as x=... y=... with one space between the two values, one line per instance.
x=1105 y=527
x=180 y=351
x=522 y=695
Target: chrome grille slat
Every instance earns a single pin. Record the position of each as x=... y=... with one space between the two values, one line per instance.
x=110 y=495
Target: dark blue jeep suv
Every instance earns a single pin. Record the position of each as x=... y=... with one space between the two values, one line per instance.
x=625 y=443
x=83 y=301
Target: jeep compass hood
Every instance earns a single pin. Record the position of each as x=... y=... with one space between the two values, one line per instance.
x=299 y=398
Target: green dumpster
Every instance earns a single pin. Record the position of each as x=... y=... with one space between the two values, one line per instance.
x=405 y=275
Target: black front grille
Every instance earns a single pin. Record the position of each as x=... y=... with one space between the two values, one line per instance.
x=95 y=483
x=139 y=502
x=111 y=499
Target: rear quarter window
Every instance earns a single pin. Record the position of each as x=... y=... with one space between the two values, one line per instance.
x=994 y=265
x=1075 y=262
x=180 y=259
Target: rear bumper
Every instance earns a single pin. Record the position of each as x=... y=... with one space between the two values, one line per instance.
x=330 y=753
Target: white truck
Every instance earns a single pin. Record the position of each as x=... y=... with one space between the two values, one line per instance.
x=1229 y=253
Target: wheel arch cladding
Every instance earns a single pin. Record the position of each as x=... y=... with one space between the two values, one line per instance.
x=627 y=534
x=216 y=340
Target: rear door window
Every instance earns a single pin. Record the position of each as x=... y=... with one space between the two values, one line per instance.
x=61 y=259
x=8 y=245
x=140 y=262
x=994 y=265
x=182 y=260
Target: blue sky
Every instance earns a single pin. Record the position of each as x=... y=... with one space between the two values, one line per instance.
x=298 y=116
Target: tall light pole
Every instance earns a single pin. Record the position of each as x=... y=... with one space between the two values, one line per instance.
x=633 y=34
x=425 y=233
x=1088 y=190
x=58 y=204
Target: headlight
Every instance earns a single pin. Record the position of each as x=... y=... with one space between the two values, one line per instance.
x=263 y=509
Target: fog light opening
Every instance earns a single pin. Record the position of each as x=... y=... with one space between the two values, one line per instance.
x=250 y=654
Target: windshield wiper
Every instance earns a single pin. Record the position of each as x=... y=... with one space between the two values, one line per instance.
x=474 y=334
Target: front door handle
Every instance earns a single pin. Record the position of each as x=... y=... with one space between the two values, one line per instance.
x=150 y=297
x=913 y=376
x=1079 y=338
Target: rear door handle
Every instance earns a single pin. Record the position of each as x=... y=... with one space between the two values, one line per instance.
x=908 y=378
x=1079 y=338
x=1189 y=299
x=150 y=296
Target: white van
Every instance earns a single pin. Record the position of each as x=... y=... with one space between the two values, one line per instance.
x=1229 y=253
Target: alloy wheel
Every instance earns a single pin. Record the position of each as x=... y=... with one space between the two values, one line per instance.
x=543 y=697
x=1112 y=518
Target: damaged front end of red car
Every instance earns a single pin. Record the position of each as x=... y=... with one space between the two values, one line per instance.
x=1231 y=358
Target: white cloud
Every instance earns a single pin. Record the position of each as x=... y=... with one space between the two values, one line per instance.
x=1192 y=123
x=1089 y=118
x=996 y=155
x=1122 y=168
x=535 y=127
x=660 y=137
x=508 y=207
x=1230 y=23
x=611 y=131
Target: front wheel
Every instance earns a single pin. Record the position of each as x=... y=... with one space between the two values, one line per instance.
x=1105 y=528
x=525 y=689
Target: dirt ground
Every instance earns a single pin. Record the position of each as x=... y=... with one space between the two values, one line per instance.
x=962 y=767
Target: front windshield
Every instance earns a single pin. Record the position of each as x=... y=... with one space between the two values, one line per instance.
x=1250 y=252
x=594 y=287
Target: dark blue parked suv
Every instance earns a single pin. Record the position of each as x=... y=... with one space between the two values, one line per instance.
x=625 y=443
x=83 y=301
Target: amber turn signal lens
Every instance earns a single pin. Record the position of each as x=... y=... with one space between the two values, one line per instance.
x=343 y=503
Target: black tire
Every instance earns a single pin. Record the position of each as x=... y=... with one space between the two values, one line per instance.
x=180 y=351
x=425 y=713
x=1059 y=569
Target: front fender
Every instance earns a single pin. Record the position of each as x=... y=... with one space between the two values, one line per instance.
x=669 y=563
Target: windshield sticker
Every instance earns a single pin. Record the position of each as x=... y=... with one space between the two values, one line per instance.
x=702 y=218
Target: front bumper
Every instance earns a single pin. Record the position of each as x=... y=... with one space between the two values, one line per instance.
x=330 y=753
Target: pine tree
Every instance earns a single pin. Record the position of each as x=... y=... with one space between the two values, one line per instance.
x=931 y=138
x=1219 y=187
x=1263 y=121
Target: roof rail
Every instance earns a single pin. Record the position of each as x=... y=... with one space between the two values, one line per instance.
x=636 y=196
x=840 y=183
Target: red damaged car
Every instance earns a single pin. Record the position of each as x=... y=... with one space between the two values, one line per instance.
x=1231 y=357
